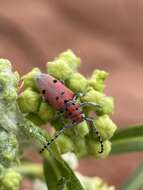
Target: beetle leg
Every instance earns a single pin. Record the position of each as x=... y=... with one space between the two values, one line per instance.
x=78 y=95
x=90 y=121
x=58 y=133
x=90 y=104
x=62 y=81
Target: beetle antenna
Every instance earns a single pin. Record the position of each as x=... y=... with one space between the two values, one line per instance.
x=90 y=121
x=58 y=133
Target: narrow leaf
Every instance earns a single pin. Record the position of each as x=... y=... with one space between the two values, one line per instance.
x=134 y=182
x=59 y=175
x=128 y=132
x=74 y=182
x=128 y=140
x=51 y=174
x=127 y=145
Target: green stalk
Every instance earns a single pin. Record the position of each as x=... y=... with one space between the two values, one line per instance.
x=135 y=181
x=31 y=170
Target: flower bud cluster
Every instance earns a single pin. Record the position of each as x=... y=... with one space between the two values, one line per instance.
x=79 y=140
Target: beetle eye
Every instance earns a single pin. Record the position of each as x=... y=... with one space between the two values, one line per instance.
x=43 y=91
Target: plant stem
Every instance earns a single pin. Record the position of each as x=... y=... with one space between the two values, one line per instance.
x=31 y=170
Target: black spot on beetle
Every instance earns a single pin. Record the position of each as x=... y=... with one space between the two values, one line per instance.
x=62 y=93
x=54 y=81
x=73 y=104
x=57 y=98
x=43 y=91
x=76 y=108
x=65 y=101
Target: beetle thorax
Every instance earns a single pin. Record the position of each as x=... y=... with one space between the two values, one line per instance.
x=74 y=112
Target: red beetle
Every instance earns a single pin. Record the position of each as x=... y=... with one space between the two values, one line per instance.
x=65 y=101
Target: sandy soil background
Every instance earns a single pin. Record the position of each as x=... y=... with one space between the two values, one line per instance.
x=105 y=34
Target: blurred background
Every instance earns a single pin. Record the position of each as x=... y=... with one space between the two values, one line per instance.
x=106 y=35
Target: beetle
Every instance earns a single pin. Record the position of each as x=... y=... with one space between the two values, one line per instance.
x=64 y=100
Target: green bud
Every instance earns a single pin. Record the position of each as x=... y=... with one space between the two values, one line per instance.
x=105 y=126
x=65 y=144
x=77 y=82
x=4 y=79
x=94 y=147
x=8 y=148
x=29 y=101
x=35 y=118
x=29 y=79
x=59 y=69
x=107 y=105
x=10 y=95
x=99 y=75
x=93 y=183
x=97 y=80
x=11 y=180
x=8 y=91
x=92 y=95
x=105 y=102
x=8 y=83
x=4 y=64
x=80 y=147
x=82 y=129
x=46 y=112
x=70 y=58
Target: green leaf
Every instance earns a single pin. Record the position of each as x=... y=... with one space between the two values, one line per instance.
x=61 y=184
x=51 y=173
x=128 y=132
x=128 y=140
x=74 y=183
x=135 y=181
x=59 y=175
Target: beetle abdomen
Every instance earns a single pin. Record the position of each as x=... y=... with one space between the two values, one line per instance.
x=54 y=91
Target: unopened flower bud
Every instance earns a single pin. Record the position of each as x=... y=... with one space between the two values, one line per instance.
x=29 y=79
x=29 y=101
x=97 y=80
x=77 y=82
x=70 y=58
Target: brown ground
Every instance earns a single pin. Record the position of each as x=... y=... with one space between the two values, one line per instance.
x=105 y=34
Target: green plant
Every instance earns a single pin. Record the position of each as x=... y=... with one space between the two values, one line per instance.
x=22 y=115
